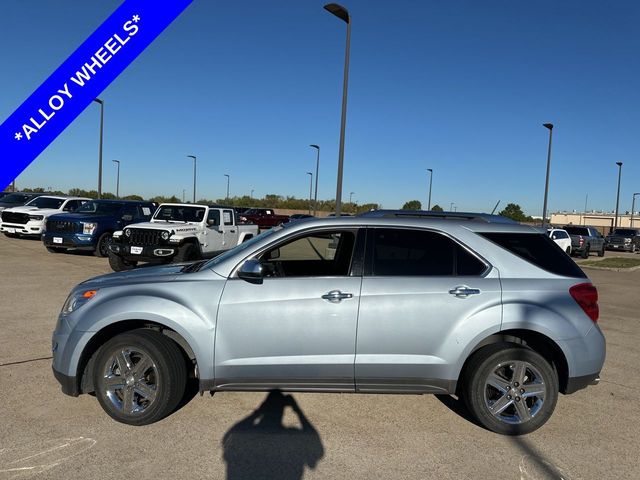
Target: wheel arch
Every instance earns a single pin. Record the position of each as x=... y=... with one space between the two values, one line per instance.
x=84 y=378
x=537 y=342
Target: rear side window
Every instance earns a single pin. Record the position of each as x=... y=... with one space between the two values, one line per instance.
x=538 y=249
x=398 y=252
x=577 y=230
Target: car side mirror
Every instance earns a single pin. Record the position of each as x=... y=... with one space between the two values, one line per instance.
x=251 y=271
x=274 y=254
x=127 y=218
x=211 y=222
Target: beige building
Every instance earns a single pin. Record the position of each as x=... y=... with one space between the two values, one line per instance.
x=602 y=221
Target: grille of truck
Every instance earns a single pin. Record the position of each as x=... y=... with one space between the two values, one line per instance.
x=143 y=237
x=13 y=217
x=62 y=226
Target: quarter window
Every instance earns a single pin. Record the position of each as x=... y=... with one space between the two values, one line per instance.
x=398 y=252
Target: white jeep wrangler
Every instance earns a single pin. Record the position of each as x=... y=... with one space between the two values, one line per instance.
x=178 y=232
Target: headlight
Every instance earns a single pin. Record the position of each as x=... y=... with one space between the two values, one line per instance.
x=89 y=227
x=174 y=240
x=127 y=232
x=76 y=300
x=165 y=235
x=36 y=217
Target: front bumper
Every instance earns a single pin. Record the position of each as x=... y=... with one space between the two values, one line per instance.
x=70 y=240
x=152 y=253
x=625 y=247
x=69 y=384
x=29 y=228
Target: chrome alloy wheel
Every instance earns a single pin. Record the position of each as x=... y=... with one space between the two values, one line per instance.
x=514 y=392
x=131 y=380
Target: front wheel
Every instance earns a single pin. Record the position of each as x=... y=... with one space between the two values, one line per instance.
x=187 y=253
x=118 y=264
x=601 y=252
x=510 y=389
x=102 y=247
x=140 y=377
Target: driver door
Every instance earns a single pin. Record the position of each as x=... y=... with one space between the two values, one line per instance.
x=297 y=329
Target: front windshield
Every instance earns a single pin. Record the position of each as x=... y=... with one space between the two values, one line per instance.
x=15 y=198
x=624 y=232
x=253 y=211
x=100 y=208
x=240 y=248
x=46 y=202
x=179 y=213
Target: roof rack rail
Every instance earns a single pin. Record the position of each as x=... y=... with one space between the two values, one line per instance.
x=472 y=216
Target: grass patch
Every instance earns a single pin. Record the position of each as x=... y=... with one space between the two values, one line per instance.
x=613 y=262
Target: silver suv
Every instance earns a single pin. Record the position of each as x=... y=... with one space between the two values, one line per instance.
x=469 y=305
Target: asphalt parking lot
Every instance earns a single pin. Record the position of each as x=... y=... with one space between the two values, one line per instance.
x=45 y=434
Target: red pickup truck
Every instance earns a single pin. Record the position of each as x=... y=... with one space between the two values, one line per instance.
x=263 y=217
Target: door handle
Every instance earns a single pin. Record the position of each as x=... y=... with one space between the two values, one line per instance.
x=462 y=291
x=336 y=296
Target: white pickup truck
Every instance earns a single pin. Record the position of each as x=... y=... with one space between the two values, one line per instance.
x=178 y=232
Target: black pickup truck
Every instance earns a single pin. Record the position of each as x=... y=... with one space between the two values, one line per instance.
x=585 y=240
x=625 y=239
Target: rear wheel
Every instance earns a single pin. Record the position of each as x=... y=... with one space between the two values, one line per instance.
x=118 y=264
x=568 y=250
x=140 y=377
x=510 y=389
x=585 y=252
x=102 y=247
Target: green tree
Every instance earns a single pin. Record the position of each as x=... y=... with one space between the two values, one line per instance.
x=437 y=208
x=514 y=212
x=412 y=205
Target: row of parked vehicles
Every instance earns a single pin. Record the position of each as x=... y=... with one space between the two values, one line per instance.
x=584 y=240
x=132 y=232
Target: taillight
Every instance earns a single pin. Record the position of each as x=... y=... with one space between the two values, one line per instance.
x=586 y=295
x=581 y=241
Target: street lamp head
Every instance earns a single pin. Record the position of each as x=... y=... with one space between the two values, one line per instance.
x=548 y=125
x=227 y=175
x=430 y=170
x=116 y=161
x=97 y=100
x=191 y=156
x=339 y=11
x=309 y=173
x=315 y=146
x=619 y=164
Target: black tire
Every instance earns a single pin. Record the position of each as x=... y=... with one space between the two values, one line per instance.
x=56 y=249
x=568 y=250
x=102 y=246
x=633 y=248
x=153 y=382
x=118 y=264
x=585 y=252
x=187 y=253
x=601 y=252
x=521 y=415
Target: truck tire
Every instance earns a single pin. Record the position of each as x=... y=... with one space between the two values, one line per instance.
x=102 y=246
x=187 y=253
x=118 y=264
x=585 y=252
x=601 y=252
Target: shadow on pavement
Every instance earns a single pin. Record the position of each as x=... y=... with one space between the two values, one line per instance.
x=261 y=447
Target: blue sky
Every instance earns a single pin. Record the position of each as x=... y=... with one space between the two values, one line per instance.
x=461 y=87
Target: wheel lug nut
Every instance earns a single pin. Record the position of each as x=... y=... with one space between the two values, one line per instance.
x=522 y=390
x=509 y=397
x=517 y=399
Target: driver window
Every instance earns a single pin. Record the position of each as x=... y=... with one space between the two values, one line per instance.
x=318 y=254
x=213 y=219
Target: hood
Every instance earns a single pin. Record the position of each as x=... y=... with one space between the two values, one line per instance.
x=154 y=274
x=29 y=209
x=177 y=227
x=79 y=217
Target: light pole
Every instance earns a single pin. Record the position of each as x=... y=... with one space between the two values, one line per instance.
x=183 y=192
x=101 y=102
x=546 y=185
x=194 y=176
x=351 y=196
x=315 y=197
x=451 y=207
x=117 y=179
x=430 y=170
x=251 y=194
x=310 y=189
x=228 y=179
x=633 y=206
x=342 y=13
x=615 y=223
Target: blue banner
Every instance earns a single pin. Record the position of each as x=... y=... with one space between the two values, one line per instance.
x=81 y=79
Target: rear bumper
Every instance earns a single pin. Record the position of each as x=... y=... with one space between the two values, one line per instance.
x=578 y=383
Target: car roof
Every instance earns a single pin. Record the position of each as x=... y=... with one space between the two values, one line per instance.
x=473 y=216
x=114 y=200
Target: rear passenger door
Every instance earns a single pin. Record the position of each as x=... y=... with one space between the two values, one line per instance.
x=424 y=298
